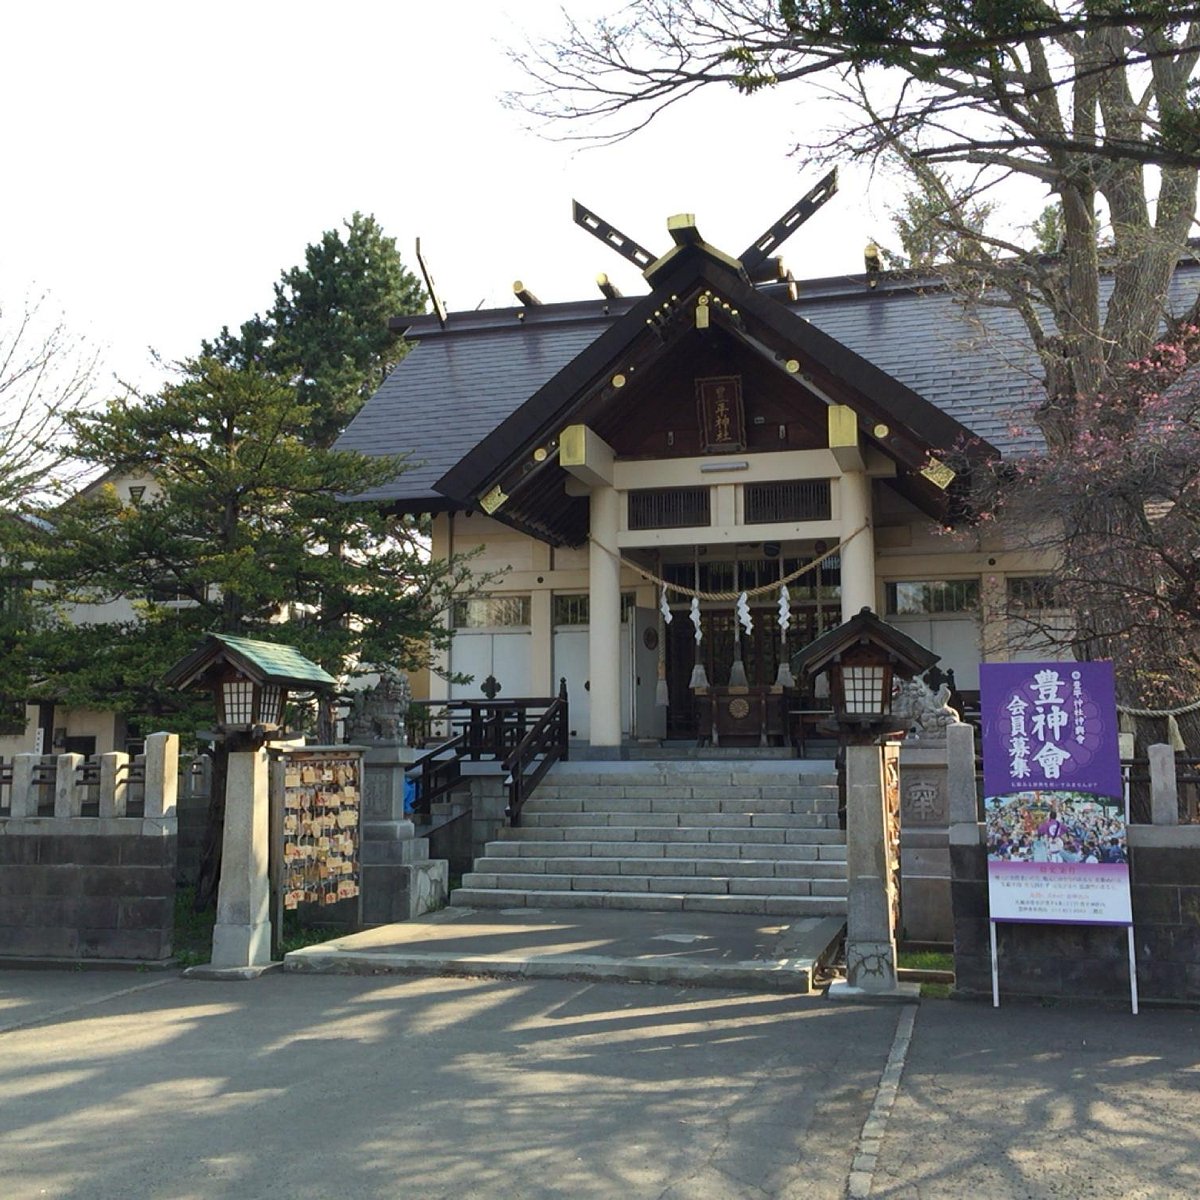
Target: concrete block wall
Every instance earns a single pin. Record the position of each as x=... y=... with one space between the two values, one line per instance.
x=75 y=887
x=1085 y=962
x=1080 y=962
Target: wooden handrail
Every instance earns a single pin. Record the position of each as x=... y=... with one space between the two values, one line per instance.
x=488 y=729
x=548 y=739
x=435 y=775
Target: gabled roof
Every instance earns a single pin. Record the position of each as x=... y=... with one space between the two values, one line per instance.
x=263 y=662
x=915 y=430
x=461 y=382
x=458 y=384
x=863 y=627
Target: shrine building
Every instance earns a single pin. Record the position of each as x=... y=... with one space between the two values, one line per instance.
x=677 y=491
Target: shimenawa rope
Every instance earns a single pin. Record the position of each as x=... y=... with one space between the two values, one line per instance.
x=677 y=589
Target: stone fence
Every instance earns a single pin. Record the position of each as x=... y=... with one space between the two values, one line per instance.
x=88 y=854
x=1083 y=962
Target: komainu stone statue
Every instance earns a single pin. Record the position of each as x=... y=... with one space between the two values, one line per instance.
x=378 y=714
x=927 y=712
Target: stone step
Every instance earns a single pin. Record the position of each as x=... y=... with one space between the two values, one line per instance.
x=542 y=816
x=748 y=868
x=547 y=846
x=768 y=905
x=696 y=807
x=696 y=789
x=708 y=885
x=650 y=772
x=551 y=830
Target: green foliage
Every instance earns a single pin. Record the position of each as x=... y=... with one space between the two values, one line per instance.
x=926 y=960
x=1048 y=229
x=937 y=224
x=244 y=529
x=921 y=36
x=15 y=622
x=327 y=330
x=192 y=937
x=295 y=936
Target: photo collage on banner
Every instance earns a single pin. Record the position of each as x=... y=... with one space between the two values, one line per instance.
x=1053 y=794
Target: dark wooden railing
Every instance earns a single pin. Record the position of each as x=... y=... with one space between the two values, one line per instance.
x=437 y=773
x=543 y=746
x=485 y=730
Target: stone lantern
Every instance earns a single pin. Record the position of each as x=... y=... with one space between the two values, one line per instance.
x=250 y=681
x=864 y=657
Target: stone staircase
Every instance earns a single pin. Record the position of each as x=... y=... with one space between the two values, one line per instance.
x=758 y=837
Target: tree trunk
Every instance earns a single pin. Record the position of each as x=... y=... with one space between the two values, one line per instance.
x=208 y=877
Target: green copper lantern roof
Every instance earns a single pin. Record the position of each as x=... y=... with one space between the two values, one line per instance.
x=264 y=662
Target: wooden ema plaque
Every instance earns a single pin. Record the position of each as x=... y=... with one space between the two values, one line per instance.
x=321 y=798
x=722 y=416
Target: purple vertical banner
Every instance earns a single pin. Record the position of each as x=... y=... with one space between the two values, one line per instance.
x=1050 y=726
x=1053 y=808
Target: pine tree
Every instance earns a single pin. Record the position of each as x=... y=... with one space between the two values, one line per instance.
x=327 y=330
x=244 y=532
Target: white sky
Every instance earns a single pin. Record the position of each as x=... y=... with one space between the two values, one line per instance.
x=165 y=162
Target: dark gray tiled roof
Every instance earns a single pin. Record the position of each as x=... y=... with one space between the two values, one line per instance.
x=460 y=383
x=455 y=388
x=976 y=366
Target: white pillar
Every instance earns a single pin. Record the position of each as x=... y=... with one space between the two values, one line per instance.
x=68 y=795
x=242 y=935
x=858 y=557
x=1164 y=786
x=22 y=800
x=604 y=627
x=541 y=636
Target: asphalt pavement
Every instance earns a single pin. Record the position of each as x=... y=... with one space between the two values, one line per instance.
x=115 y=1084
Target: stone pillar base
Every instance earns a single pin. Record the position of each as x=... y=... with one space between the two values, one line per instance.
x=902 y=993
x=871 y=966
x=241 y=945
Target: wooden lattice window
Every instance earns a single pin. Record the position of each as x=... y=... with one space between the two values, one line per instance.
x=669 y=508
x=799 y=500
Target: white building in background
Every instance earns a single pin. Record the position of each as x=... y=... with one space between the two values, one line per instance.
x=52 y=728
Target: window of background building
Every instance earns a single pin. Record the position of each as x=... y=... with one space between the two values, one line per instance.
x=1027 y=593
x=932 y=597
x=490 y=612
x=576 y=610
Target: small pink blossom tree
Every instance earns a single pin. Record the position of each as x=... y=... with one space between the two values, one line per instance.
x=1116 y=505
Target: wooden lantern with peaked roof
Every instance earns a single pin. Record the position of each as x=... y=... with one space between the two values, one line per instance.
x=250 y=680
x=862 y=657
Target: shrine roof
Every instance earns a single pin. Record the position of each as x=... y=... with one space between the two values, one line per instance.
x=463 y=380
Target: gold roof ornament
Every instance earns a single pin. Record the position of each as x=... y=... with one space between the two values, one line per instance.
x=938 y=473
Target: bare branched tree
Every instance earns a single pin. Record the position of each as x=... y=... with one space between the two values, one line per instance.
x=1095 y=104
x=1079 y=98
x=46 y=373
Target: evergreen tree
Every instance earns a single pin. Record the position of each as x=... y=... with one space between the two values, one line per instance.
x=244 y=532
x=327 y=330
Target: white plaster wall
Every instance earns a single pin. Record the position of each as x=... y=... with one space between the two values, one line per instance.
x=909 y=546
